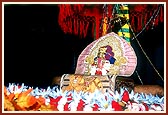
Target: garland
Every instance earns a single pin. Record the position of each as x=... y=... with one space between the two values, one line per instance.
x=24 y=98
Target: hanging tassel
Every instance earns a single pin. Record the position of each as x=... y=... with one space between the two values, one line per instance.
x=104 y=26
x=86 y=29
x=94 y=30
x=76 y=26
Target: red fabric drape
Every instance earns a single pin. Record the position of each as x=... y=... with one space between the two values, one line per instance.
x=76 y=18
x=140 y=15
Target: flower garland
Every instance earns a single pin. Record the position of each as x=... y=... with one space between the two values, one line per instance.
x=24 y=98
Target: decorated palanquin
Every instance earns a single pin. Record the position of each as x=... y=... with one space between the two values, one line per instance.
x=100 y=63
x=102 y=67
x=101 y=81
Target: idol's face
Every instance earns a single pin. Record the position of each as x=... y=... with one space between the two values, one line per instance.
x=102 y=52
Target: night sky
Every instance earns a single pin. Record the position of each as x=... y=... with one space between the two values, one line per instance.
x=36 y=49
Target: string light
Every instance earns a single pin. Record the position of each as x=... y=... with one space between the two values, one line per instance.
x=145 y=53
x=139 y=77
x=157 y=10
x=155 y=17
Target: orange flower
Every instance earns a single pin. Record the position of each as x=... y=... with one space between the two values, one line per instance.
x=25 y=100
x=10 y=97
x=41 y=100
x=8 y=106
x=5 y=90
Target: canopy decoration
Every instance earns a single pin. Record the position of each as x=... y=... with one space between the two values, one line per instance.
x=86 y=19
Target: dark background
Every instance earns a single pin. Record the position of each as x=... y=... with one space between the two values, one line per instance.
x=36 y=49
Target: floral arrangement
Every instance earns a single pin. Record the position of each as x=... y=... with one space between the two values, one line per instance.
x=24 y=98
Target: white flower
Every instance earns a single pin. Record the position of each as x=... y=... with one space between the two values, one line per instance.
x=16 y=89
x=47 y=101
x=134 y=96
x=159 y=108
x=62 y=101
x=142 y=107
x=117 y=96
x=135 y=107
x=87 y=108
x=156 y=108
x=93 y=70
x=60 y=107
x=11 y=88
x=73 y=106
